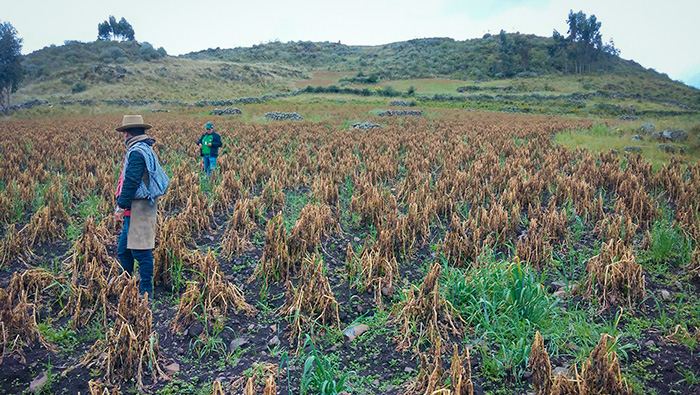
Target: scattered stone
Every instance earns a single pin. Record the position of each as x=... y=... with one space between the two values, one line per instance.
x=173 y=368
x=356 y=239
x=671 y=149
x=637 y=137
x=251 y=327
x=38 y=382
x=560 y=369
x=410 y=113
x=665 y=294
x=387 y=291
x=401 y=103
x=274 y=341
x=376 y=382
x=656 y=136
x=180 y=351
x=675 y=134
x=626 y=117
x=354 y=331
x=283 y=116
x=226 y=111
x=566 y=290
x=408 y=369
x=646 y=128
x=629 y=148
x=195 y=329
x=273 y=328
x=237 y=342
x=365 y=125
x=558 y=284
x=650 y=343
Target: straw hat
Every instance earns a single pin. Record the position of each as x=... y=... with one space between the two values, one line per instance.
x=132 y=121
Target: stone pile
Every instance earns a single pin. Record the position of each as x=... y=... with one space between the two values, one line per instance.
x=283 y=116
x=160 y=110
x=365 y=125
x=409 y=113
x=646 y=128
x=226 y=111
x=672 y=135
x=29 y=104
x=401 y=103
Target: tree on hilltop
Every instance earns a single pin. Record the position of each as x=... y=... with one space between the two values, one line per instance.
x=11 y=70
x=111 y=29
x=584 y=43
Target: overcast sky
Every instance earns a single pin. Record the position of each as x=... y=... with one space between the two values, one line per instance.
x=662 y=35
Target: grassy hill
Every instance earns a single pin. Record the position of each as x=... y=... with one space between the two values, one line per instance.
x=491 y=69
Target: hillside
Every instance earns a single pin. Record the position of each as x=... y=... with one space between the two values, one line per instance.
x=512 y=64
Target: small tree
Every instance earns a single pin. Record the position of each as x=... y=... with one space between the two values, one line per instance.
x=11 y=70
x=111 y=29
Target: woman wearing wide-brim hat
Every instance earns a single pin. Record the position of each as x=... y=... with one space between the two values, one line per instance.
x=141 y=182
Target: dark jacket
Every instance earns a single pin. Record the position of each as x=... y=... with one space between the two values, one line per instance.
x=215 y=144
x=133 y=177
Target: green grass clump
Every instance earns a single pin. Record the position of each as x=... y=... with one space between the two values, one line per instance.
x=322 y=374
x=668 y=245
x=505 y=303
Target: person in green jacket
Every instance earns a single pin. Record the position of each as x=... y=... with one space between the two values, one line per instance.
x=210 y=141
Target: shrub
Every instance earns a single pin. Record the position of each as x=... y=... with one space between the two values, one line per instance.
x=78 y=87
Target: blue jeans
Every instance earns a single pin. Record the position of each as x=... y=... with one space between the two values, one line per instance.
x=144 y=257
x=209 y=163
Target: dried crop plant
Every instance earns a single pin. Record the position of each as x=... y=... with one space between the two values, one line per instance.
x=601 y=372
x=426 y=314
x=18 y=314
x=311 y=301
x=42 y=227
x=261 y=380
x=98 y=388
x=430 y=374
x=460 y=373
x=533 y=247
x=616 y=227
x=457 y=246
x=236 y=238
x=540 y=367
x=373 y=269
x=276 y=261
x=315 y=222
x=94 y=276
x=614 y=275
x=198 y=213
x=12 y=246
x=171 y=249
x=325 y=190
x=131 y=345
x=209 y=295
x=229 y=189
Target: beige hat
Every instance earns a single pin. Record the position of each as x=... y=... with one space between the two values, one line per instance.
x=132 y=121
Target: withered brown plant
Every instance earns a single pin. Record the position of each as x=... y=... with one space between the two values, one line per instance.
x=18 y=313
x=601 y=372
x=425 y=313
x=210 y=295
x=131 y=345
x=276 y=261
x=614 y=275
x=311 y=301
x=540 y=366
